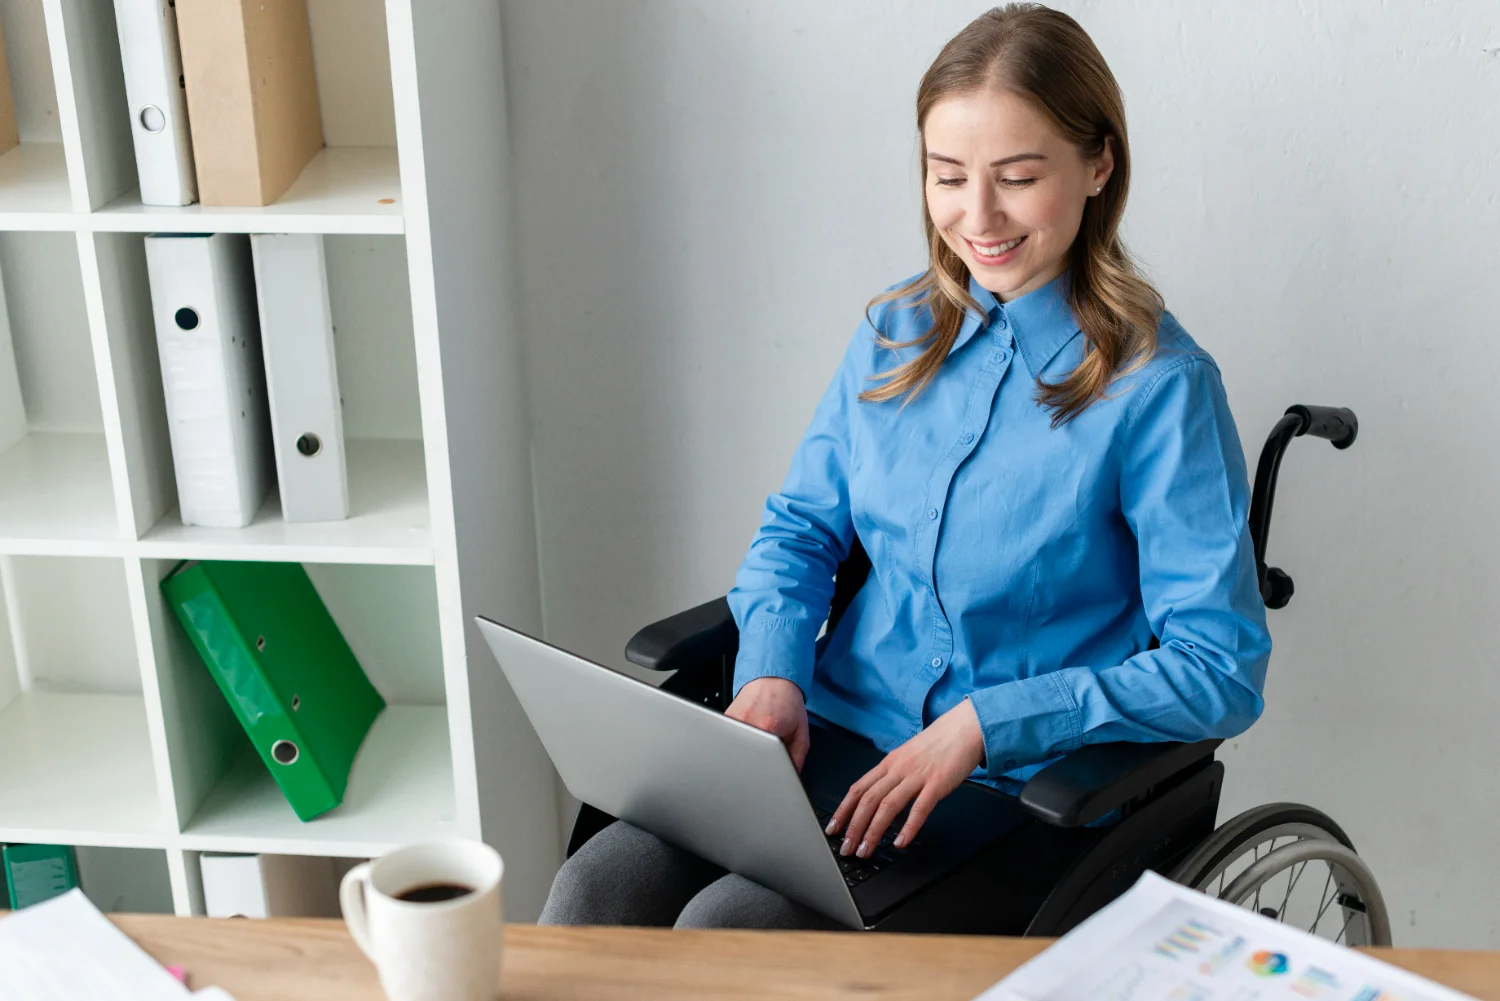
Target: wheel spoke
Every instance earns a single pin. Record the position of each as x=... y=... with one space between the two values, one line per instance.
x=1326 y=902
x=1291 y=885
x=1348 y=917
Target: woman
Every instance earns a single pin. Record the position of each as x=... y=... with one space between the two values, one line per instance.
x=1043 y=468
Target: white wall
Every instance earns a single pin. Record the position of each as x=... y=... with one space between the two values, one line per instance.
x=709 y=192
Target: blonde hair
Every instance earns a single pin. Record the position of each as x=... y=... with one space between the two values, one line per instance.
x=1044 y=55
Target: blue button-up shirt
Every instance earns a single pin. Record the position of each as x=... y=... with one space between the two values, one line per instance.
x=1025 y=567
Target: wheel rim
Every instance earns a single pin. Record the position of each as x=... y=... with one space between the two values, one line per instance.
x=1230 y=836
x=1348 y=908
x=1226 y=869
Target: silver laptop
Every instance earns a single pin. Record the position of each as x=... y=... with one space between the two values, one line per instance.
x=728 y=792
x=693 y=777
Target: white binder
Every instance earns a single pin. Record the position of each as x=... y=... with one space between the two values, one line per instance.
x=307 y=421
x=158 y=103
x=208 y=340
x=269 y=886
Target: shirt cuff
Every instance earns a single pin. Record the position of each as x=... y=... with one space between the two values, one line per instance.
x=776 y=647
x=1027 y=721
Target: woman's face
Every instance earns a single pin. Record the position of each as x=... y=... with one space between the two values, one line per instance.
x=1005 y=189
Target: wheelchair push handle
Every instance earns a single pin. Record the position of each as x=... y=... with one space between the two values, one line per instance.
x=1337 y=424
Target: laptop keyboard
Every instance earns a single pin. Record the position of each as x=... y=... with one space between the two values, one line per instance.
x=855 y=869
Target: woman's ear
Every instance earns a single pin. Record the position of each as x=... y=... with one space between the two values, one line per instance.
x=1104 y=164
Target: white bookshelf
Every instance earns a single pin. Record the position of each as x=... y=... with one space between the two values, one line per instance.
x=113 y=736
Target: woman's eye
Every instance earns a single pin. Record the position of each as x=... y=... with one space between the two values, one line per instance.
x=950 y=182
x=1017 y=182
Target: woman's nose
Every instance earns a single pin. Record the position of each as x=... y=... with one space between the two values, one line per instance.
x=985 y=208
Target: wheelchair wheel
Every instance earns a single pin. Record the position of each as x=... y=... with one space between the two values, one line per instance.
x=1294 y=864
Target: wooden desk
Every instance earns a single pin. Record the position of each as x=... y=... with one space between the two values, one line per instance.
x=291 y=960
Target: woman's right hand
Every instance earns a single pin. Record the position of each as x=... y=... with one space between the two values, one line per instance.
x=775 y=706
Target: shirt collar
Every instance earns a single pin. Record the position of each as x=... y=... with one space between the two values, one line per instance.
x=1041 y=321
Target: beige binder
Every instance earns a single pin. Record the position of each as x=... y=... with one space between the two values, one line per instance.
x=252 y=97
x=9 y=137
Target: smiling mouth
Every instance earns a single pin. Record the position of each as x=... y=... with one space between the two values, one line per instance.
x=996 y=249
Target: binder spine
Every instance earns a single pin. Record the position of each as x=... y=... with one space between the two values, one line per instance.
x=269 y=886
x=232 y=659
x=10 y=137
x=34 y=873
x=233 y=886
x=203 y=301
x=307 y=424
x=252 y=95
x=157 y=98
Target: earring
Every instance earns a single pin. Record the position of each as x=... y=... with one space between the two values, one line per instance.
x=1099 y=189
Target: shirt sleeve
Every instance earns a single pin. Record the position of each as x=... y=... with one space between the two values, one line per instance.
x=1185 y=495
x=784 y=587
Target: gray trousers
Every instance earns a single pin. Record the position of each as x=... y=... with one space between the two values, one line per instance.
x=624 y=876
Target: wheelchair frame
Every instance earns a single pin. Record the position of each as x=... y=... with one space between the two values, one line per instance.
x=1053 y=871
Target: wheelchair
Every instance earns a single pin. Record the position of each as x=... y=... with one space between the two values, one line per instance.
x=1055 y=869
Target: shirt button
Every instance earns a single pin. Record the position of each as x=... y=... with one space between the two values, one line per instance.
x=968 y=437
x=937 y=662
x=1008 y=764
x=931 y=513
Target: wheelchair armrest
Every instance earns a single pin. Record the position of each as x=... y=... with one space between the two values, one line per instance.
x=702 y=634
x=1093 y=780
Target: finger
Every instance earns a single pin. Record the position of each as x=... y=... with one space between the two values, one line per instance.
x=920 y=810
x=894 y=802
x=865 y=810
x=852 y=797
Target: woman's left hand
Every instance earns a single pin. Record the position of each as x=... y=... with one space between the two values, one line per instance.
x=925 y=769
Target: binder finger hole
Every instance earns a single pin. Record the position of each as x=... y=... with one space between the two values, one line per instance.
x=260 y=643
x=309 y=444
x=186 y=318
x=284 y=751
x=152 y=120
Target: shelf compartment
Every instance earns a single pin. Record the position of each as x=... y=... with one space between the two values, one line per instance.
x=388 y=521
x=34 y=192
x=56 y=488
x=34 y=189
x=125 y=880
x=56 y=497
x=354 y=190
x=77 y=769
x=400 y=791
x=76 y=762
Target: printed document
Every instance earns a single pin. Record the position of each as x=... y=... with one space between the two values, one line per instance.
x=1164 y=942
x=64 y=949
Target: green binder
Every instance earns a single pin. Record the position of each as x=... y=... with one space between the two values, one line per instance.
x=282 y=663
x=35 y=873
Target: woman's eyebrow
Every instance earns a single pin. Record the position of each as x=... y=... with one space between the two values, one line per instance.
x=1013 y=158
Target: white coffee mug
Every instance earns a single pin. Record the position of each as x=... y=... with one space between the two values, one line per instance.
x=428 y=949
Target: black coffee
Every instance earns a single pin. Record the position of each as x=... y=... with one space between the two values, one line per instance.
x=432 y=893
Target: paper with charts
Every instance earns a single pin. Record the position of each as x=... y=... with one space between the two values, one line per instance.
x=1164 y=942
